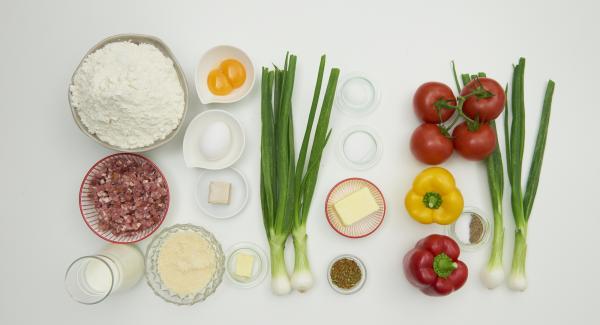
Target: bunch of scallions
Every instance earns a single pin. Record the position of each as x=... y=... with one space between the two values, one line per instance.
x=287 y=185
x=521 y=203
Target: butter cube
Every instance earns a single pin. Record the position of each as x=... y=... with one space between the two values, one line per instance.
x=218 y=192
x=356 y=206
x=244 y=265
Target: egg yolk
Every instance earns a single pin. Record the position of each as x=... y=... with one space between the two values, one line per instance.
x=235 y=72
x=230 y=75
x=218 y=83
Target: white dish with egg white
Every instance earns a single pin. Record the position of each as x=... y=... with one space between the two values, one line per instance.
x=214 y=139
x=238 y=192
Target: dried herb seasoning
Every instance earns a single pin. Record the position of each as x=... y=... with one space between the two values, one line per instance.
x=475 y=229
x=345 y=273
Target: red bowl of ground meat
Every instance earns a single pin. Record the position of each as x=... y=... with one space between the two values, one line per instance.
x=124 y=198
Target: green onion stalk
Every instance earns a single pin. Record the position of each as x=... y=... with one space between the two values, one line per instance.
x=493 y=274
x=307 y=173
x=522 y=204
x=286 y=188
x=277 y=166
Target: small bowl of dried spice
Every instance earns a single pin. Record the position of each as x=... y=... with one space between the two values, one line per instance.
x=346 y=274
x=471 y=230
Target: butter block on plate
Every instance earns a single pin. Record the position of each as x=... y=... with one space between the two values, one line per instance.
x=244 y=265
x=356 y=206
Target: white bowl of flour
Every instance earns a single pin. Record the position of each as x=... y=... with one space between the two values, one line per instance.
x=129 y=93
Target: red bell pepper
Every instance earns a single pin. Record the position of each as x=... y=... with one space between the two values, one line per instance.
x=433 y=266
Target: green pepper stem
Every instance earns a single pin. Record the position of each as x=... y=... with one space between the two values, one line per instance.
x=432 y=200
x=443 y=265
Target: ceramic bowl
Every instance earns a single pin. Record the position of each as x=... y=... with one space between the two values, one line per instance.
x=364 y=227
x=137 y=39
x=90 y=214
x=192 y=153
x=238 y=196
x=211 y=60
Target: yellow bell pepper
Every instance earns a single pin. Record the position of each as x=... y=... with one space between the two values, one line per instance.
x=434 y=197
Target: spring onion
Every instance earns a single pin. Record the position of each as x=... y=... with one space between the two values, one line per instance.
x=493 y=274
x=276 y=166
x=287 y=187
x=515 y=138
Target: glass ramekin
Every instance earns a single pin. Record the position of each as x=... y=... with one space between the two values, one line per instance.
x=153 y=277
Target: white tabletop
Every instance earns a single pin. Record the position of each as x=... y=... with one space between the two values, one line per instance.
x=44 y=155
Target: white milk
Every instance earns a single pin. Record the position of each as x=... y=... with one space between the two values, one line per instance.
x=126 y=264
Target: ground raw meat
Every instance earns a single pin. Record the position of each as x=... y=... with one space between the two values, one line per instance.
x=130 y=195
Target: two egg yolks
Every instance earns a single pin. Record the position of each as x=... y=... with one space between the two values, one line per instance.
x=230 y=75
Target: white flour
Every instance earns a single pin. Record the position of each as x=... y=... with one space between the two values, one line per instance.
x=128 y=94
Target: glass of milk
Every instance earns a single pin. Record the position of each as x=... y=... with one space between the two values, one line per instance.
x=90 y=279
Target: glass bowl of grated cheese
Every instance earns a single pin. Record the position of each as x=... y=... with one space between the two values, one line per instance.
x=129 y=93
x=184 y=264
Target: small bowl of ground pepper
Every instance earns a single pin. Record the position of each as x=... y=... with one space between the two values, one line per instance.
x=346 y=274
x=471 y=230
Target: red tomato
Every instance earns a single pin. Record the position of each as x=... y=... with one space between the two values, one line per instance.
x=474 y=145
x=425 y=98
x=429 y=145
x=486 y=109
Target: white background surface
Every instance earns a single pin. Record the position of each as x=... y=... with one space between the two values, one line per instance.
x=44 y=155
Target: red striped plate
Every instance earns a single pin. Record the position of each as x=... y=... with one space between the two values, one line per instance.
x=88 y=211
x=367 y=225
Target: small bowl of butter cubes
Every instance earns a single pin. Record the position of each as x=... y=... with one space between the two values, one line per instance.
x=246 y=265
x=355 y=207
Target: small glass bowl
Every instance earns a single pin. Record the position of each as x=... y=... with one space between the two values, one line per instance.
x=466 y=245
x=358 y=286
x=153 y=277
x=360 y=137
x=357 y=95
x=261 y=264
